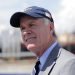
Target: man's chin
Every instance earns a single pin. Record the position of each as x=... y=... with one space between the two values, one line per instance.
x=31 y=47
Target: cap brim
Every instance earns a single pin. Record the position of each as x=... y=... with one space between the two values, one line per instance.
x=15 y=18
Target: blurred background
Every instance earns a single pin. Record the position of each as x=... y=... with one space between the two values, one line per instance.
x=14 y=57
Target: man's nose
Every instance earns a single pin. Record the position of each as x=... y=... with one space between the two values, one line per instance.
x=26 y=31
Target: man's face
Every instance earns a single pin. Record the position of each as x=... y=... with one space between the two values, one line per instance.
x=35 y=34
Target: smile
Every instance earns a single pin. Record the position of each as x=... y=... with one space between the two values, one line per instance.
x=30 y=38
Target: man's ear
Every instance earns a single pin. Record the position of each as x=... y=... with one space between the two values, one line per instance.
x=51 y=27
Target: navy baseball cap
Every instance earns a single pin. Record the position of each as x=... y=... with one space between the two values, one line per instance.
x=34 y=11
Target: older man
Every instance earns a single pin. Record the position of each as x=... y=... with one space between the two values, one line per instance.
x=37 y=28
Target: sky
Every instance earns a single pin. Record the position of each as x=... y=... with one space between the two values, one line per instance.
x=63 y=12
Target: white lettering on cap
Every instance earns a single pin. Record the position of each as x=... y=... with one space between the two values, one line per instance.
x=48 y=15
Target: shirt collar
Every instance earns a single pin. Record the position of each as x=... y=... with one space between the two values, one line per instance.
x=45 y=55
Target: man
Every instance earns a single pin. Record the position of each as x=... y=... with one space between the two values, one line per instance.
x=37 y=28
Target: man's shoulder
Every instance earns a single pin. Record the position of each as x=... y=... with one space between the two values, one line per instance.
x=66 y=55
x=65 y=62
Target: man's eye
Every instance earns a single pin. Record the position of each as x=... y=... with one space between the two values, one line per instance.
x=31 y=25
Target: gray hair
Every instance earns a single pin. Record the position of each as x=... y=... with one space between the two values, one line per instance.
x=47 y=21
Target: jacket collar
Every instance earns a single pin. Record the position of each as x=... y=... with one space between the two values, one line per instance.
x=52 y=57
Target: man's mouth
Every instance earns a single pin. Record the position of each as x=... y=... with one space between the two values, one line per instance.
x=29 y=38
